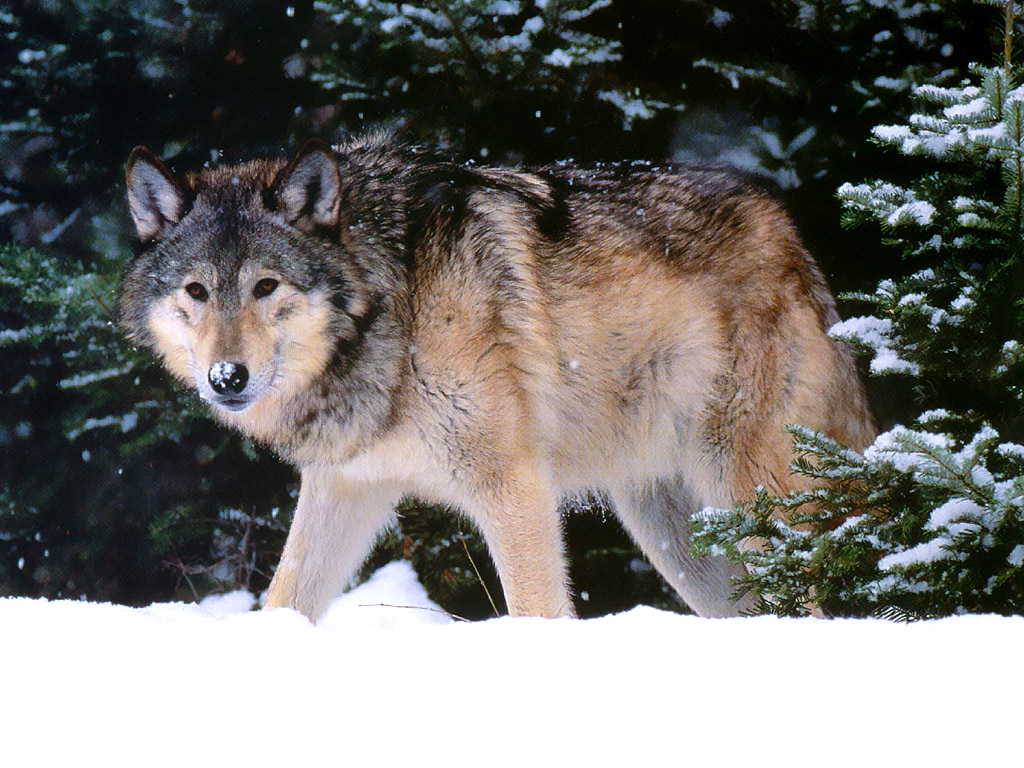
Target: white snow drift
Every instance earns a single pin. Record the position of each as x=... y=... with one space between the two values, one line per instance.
x=388 y=679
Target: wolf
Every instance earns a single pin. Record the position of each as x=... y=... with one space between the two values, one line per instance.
x=396 y=323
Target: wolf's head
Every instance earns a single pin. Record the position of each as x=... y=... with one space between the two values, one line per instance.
x=242 y=284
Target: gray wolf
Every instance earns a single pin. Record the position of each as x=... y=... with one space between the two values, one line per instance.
x=491 y=339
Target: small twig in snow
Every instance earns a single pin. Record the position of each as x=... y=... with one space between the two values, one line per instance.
x=414 y=607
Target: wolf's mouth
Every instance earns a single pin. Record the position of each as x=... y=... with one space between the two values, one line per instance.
x=234 y=404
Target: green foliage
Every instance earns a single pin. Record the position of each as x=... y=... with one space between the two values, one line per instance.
x=952 y=326
x=59 y=66
x=495 y=77
x=109 y=469
x=929 y=521
x=835 y=66
x=920 y=523
x=966 y=124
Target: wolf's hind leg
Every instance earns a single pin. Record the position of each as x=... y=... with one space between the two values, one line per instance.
x=656 y=513
x=336 y=524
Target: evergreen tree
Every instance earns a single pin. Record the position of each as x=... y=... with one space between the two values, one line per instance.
x=113 y=486
x=788 y=90
x=833 y=65
x=498 y=79
x=930 y=519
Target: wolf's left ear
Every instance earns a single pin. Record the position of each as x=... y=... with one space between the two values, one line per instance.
x=308 y=190
x=155 y=197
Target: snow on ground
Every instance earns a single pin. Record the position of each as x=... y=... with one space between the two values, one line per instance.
x=380 y=682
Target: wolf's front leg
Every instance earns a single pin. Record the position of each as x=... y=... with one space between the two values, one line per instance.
x=520 y=520
x=335 y=525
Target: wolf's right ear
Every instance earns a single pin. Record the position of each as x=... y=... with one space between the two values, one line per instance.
x=155 y=197
x=307 y=191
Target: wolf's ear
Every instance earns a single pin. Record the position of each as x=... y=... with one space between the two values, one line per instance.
x=155 y=197
x=307 y=191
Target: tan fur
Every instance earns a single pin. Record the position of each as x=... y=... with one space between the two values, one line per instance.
x=191 y=338
x=653 y=349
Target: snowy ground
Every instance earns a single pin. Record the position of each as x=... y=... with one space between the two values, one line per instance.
x=213 y=684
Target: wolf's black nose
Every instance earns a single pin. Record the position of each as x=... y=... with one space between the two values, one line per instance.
x=228 y=378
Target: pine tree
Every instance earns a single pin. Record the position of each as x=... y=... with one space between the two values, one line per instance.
x=95 y=438
x=929 y=520
x=833 y=65
x=494 y=78
x=114 y=485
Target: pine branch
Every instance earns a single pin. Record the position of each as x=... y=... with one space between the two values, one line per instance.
x=1009 y=18
x=475 y=64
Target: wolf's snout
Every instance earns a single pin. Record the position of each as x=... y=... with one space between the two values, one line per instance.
x=228 y=378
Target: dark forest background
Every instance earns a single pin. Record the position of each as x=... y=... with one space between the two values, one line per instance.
x=115 y=486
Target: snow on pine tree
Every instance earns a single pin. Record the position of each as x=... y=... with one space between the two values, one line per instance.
x=929 y=520
x=855 y=60
x=113 y=485
x=85 y=424
x=502 y=65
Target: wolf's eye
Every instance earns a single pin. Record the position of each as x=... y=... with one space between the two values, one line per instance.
x=197 y=291
x=264 y=287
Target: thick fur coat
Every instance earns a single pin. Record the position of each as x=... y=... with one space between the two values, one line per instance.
x=492 y=339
